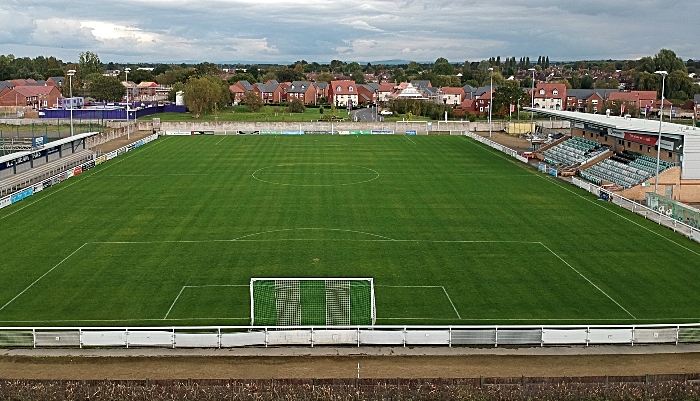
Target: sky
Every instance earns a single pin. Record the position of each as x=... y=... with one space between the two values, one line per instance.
x=284 y=31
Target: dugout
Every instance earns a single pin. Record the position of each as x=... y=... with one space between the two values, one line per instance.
x=680 y=146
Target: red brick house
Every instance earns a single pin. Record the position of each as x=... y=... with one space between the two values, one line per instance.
x=550 y=96
x=343 y=93
x=270 y=92
x=36 y=97
x=302 y=90
x=367 y=94
x=641 y=99
x=384 y=92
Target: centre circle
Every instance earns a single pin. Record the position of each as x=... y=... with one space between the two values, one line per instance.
x=315 y=174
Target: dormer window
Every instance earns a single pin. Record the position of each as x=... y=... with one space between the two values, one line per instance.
x=541 y=91
x=555 y=92
x=350 y=88
x=339 y=89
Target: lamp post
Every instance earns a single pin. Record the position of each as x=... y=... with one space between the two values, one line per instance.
x=661 y=119
x=490 y=101
x=70 y=88
x=126 y=80
x=532 y=100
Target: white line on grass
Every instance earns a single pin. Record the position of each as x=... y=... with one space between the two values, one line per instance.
x=406 y=136
x=42 y=276
x=426 y=286
x=221 y=140
x=554 y=182
x=247 y=318
x=589 y=281
x=199 y=286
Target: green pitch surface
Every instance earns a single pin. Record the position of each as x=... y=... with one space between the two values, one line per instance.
x=452 y=232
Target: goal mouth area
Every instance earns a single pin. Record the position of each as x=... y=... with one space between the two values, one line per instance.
x=312 y=301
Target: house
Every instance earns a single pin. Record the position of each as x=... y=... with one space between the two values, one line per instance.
x=270 y=92
x=321 y=89
x=641 y=99
x=450 y=95
x=483 y=101
x=550 y=96
x=367 y=93
x=696 y=100
x=36 y=97
x=302 y=90
x=584 y=100
x=55 y=81
x=421 y=83
x=343 y=93
x=384 y=91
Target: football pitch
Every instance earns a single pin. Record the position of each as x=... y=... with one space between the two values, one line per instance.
x=452 y=232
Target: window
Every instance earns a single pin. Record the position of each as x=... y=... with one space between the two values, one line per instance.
x=541 y=91
x=595 y=109
x=350 y=88
x=621 y=142
x=670 y=155
x=594 y=101
x=339 y=89
x=555 y=92
x=629 y=144
x=641 y=148
x=648 y=149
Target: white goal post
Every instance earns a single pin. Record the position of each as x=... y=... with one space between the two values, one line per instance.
x=312 y=301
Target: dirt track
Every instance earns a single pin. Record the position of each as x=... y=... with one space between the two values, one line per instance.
x=324 y=363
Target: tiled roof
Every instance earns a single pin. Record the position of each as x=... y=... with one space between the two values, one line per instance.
x=448 y=90
x=267 y=88
x=299 y=87
x=246 y=85
x=28 y=91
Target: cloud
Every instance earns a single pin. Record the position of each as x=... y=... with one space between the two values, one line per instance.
x=322 y=30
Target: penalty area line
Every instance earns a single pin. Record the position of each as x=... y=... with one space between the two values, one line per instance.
x=42 y=276
x=198 y=286
x=426 y=286
x=589 y=281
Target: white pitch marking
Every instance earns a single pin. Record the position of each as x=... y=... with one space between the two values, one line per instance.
x=198 y=286
x=425 y=286
x=589 y=281
x=410 y=139
x=173 y=304
x=42 y=276
x=221 y=140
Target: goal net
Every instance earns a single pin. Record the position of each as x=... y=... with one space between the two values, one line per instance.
x=312 y=301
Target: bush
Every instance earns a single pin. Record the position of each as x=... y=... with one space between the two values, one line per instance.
x=320 y=110
x=296 y=106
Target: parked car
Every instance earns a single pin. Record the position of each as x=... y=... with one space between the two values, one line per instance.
x=386 y=112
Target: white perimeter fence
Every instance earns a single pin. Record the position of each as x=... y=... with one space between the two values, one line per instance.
x=402 y=336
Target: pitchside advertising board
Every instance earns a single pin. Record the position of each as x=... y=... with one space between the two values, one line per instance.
x=411 y=132
x=39 y=141
x=382 y=132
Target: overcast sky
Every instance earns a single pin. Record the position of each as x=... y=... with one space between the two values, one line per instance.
x=231 y=31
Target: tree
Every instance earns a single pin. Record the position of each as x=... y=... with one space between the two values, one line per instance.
x=253 y=101
x=288 y=75
x=505 y=95
x=575 y=81
x=241 y=76
x=177 y=87
x=89 y=63
x=587 y=82
x=109 y=89
x=359 y=77
x=138 y=76
x=201 y=95
x=443 y=67
x=324 y=77
x=207 y=68
x=75 y=80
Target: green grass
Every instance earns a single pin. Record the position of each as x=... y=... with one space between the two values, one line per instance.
x=452 y=232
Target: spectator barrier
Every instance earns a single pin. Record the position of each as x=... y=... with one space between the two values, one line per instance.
x=402 y=336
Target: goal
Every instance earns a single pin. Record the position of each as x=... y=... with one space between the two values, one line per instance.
x=312 y=301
